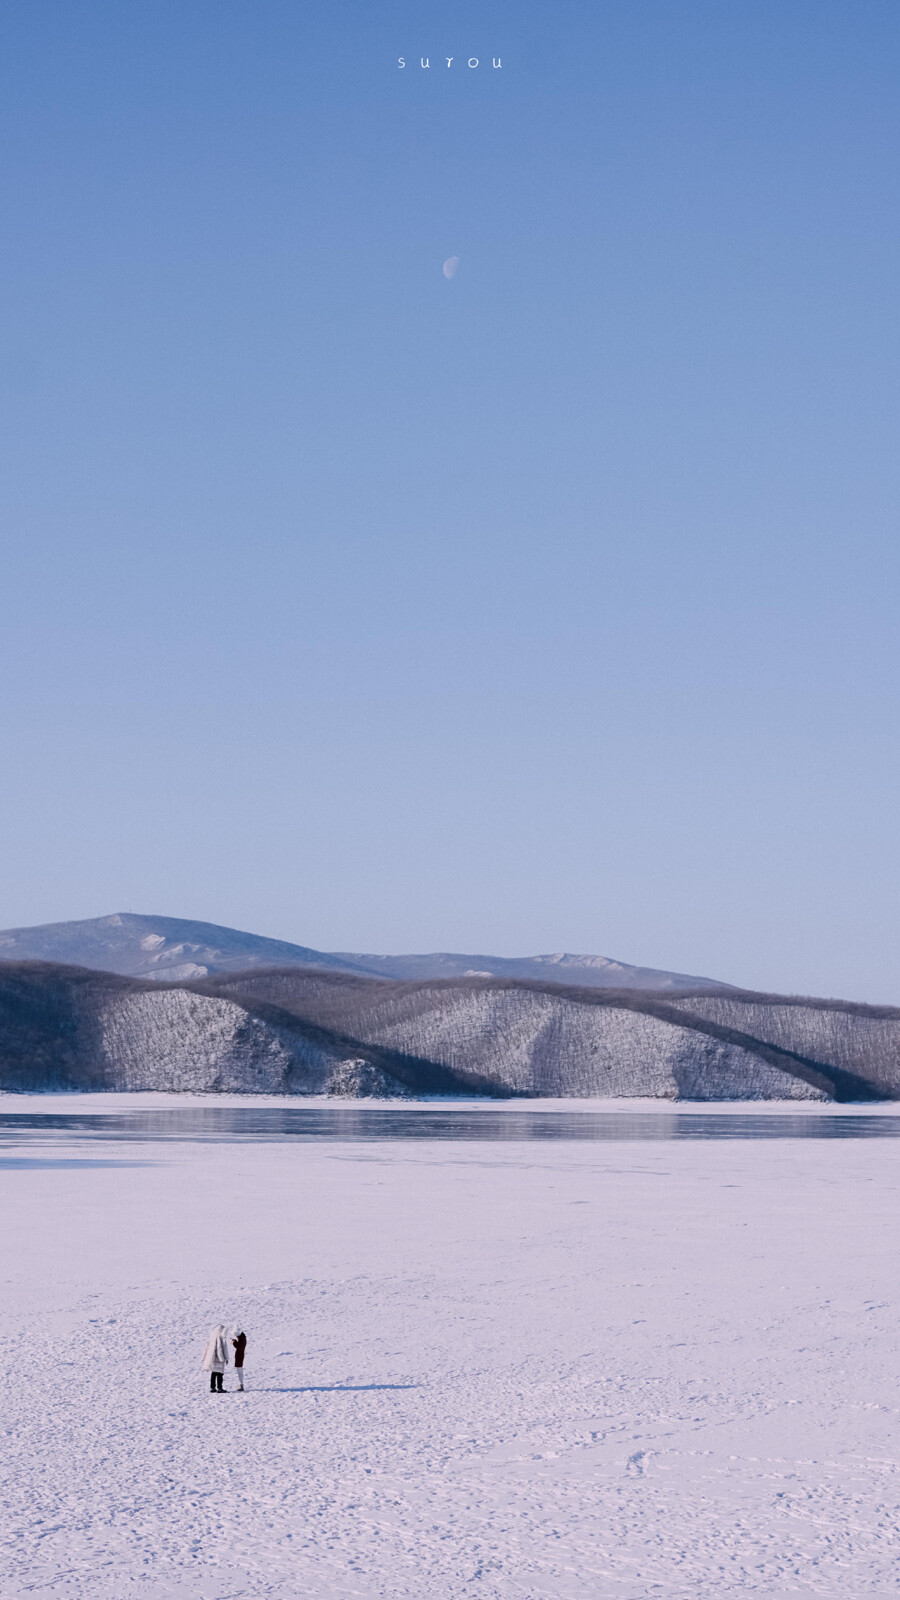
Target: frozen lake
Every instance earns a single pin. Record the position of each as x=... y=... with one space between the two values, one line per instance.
x=343 y=1123
x=522 y=1367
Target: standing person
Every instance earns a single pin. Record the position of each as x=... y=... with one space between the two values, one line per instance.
x=240 y=1344
x=215 y=1358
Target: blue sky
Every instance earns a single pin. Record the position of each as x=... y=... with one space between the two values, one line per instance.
x=550 y=607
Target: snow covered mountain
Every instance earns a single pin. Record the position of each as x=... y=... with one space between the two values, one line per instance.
x=589 y=972
x=137 y=1002
x=176 y=950
x=303 y=1031
x=548 y=1039
x=166 y=948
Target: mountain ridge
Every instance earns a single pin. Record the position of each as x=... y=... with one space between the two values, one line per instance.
x=301 y=1030
x=176 y=949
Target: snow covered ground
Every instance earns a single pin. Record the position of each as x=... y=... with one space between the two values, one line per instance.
x=569 y=1370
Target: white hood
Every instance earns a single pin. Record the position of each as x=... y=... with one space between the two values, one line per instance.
x=215 y=1356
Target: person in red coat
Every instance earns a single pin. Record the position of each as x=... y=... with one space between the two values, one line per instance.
x=239 y=1340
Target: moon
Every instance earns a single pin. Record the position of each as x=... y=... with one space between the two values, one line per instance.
x=450 y=267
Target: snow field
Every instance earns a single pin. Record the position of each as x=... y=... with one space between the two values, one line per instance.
x=531 y=1370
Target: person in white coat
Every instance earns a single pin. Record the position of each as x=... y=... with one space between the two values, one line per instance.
x=215 y=1358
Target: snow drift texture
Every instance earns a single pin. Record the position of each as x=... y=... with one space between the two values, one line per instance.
x=295 y=1031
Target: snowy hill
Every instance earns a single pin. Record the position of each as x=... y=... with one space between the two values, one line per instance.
x=547 y=1039
x=168 y=948
x=589 y=972
x=293 y=1031
x=69 y=1028
x=175 y=949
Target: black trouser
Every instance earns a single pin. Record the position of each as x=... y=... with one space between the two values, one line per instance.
x=215 y=1383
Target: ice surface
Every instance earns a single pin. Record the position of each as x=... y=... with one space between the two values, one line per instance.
x=546 y=1370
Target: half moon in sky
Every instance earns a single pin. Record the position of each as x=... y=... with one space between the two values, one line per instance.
x=451 y=266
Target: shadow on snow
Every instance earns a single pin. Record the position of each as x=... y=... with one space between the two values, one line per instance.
x=338 y=1388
